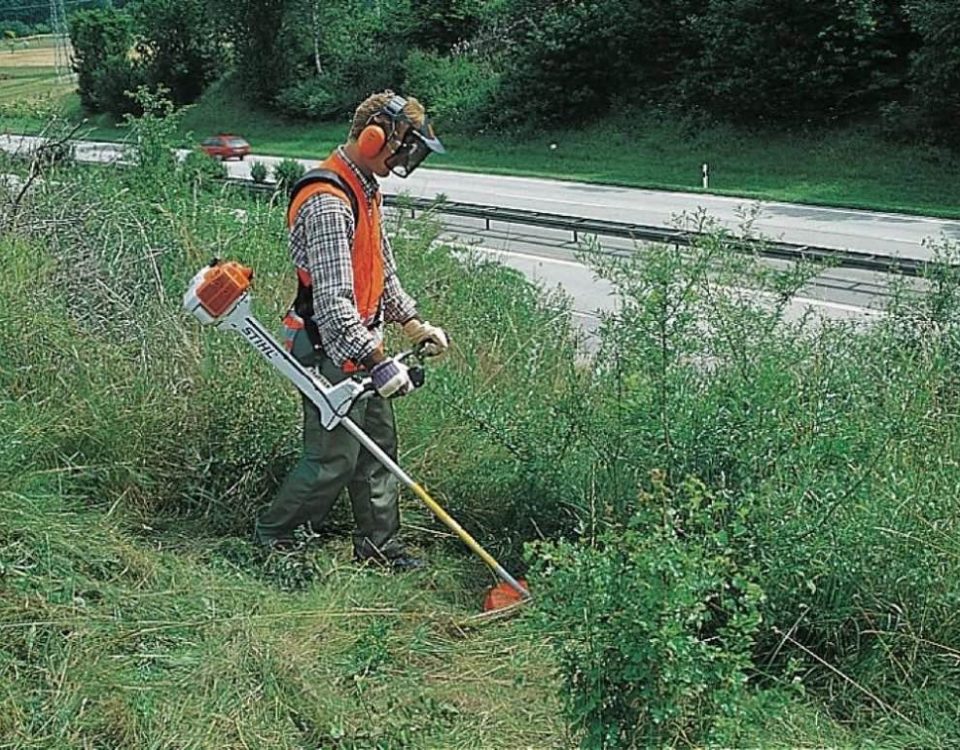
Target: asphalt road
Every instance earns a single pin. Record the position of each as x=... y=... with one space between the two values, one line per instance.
x=891 y=234
x=549 y=256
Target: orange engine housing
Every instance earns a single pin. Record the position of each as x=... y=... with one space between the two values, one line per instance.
x=223 y=284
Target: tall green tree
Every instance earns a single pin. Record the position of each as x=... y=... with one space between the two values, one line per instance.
x=102 y=41
x=181 y=44
x=566 y=61
x=935 y=66
x=776 y=60
x=440 y=24
x=256 y=29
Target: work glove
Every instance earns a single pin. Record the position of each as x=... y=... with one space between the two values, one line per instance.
x=433 y=338
x=390 y=378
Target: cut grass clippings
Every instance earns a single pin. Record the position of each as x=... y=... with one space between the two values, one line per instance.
x=160 y=641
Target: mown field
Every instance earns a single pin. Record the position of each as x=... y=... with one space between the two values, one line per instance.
x=739 y=532
x=27 y=72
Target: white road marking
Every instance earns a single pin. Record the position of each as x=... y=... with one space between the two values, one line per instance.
x=810 y=301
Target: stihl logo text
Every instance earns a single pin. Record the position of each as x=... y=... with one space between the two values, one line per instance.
x=265 y=347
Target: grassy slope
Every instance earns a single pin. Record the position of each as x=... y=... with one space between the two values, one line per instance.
x=163 y=641
x=126 y=627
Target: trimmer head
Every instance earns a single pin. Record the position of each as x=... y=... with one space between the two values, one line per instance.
x=503 y=595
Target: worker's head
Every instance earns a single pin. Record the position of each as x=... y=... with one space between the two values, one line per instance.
x=391 y=134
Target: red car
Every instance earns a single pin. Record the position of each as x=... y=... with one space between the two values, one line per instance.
x=225 y=146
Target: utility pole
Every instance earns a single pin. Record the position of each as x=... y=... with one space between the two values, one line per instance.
x=61 y=40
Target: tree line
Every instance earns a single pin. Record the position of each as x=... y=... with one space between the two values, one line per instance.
x=530 y=63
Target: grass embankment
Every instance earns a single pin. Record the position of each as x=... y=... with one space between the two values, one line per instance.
x=134 y=610
x=853 y=166
x=778 y=501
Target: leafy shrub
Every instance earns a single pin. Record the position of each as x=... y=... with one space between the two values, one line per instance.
x=653 y=622
x=155 y=133
x=819 y=60
x=180 y=46
x=455 y=89
x=563 y=64
x=440 y=24
x=101 y=41
x=315 y=96
x=342 y=40
x=287 y=172
x=259 y=172
x=199 y=169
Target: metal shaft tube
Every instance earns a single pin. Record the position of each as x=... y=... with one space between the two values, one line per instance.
x=434 y=506
x=316 y=388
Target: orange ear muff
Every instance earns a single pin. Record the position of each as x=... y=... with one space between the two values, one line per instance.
x=371 y=140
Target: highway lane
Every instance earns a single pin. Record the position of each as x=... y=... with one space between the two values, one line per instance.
x=549 y=256
x=896 y=235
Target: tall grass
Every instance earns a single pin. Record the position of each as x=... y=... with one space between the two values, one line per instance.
x=795 y=481
x=136 y=449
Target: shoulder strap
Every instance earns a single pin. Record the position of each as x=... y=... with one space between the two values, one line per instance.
x=326 y=176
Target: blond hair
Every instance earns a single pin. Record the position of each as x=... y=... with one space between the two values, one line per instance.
x=370 y=106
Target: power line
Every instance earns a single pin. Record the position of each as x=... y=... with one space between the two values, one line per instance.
x=47 y=5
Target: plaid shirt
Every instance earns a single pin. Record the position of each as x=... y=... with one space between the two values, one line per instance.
x=321 y=241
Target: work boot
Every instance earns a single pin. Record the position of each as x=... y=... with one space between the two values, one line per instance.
x=402 y=563
x=406 y=563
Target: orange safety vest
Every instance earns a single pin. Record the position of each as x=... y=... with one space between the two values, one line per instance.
x=367 y=249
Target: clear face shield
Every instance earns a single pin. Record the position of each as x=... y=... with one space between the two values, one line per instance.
x=415 y=146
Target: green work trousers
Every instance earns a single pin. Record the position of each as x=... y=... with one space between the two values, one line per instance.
x=332 y=460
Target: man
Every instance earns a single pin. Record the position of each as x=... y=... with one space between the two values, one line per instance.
x=348 y=288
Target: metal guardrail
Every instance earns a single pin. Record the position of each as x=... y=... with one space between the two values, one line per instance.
x=579 y=225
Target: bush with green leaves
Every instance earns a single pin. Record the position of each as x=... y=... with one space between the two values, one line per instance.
x=316 y=61
x=654 y=621
x=101 y=41
x=201 y=170
x=287 y=172
x=561 y=65
x=154 y=134
x=456 y=89
x=818 y=61
x=316 y=97
x=180 y=45
x=259 y=172
x=817 y=433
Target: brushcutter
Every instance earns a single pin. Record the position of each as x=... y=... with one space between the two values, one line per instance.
x=219 y=295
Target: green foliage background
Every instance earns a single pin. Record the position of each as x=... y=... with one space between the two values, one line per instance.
x=527 y=63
